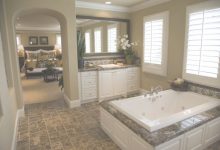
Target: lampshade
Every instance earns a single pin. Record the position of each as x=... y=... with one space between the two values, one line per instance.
x=20 y=47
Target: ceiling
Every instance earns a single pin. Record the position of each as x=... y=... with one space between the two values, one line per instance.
x=126 y=3
x=37 y=22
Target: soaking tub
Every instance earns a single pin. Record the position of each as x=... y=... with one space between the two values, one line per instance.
x=171 y=107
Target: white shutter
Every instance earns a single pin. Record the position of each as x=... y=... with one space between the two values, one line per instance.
x=203 y=49
x=112 y=37
x=98 y=40
x=87 y=42
x=155 y=43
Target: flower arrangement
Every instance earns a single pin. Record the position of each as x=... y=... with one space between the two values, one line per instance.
x=125 y=46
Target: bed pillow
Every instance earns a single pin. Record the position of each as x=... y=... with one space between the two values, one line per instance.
x=31 y=55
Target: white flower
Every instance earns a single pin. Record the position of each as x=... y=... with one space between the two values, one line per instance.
x=126 y=36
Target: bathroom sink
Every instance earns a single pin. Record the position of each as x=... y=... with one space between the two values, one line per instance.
x=109 y=66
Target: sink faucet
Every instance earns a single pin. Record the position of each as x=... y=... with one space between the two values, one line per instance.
x=153 y=93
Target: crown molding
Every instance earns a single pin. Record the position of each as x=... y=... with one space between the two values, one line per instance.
x=147 y=4
x=37 y=29
x=98 y=6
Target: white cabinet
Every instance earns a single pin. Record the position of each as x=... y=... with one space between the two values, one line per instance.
x=194 y=139
x=212 y=133
x=133 y=79
x=106 y=84
x=119 y=81
x=88 y=86
x=112 y=83
x=126 y=139
x=174 y=144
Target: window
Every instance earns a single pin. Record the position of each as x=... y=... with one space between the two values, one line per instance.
x=112 y=37
x=202 y=46
x=155 y=43
x=87 y=41
x=18 y=39
x=58 y=40
x=98 y=40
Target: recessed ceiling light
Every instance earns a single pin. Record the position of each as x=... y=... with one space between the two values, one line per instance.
x=108 y=3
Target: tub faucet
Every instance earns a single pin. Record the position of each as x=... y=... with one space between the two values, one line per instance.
x=153 y=93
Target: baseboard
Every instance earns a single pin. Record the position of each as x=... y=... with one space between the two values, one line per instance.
x=20 y=113
x=72 y=103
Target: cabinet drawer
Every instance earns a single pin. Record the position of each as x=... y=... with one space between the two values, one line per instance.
x=89 y=94
x=89 y=82
x=89 y=74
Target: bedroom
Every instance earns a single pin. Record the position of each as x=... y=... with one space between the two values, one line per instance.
x=39 y=52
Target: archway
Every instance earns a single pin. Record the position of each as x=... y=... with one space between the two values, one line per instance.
x=70 y=95
x=40 y=57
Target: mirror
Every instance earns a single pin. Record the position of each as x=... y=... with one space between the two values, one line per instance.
x=101 y=34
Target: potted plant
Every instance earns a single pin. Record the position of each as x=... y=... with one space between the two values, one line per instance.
x=80 y=48
x=125 y=46
x=60 y=83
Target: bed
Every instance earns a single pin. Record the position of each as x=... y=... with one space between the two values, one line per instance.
x=38 y=58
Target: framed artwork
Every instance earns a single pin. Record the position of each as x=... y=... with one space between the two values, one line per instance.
x=43 y=40
x=33 y=40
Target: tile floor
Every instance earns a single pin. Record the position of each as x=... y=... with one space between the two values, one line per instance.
x=53 y=126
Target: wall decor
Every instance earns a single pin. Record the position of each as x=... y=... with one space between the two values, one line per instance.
x=43 y=40
x=33 y=40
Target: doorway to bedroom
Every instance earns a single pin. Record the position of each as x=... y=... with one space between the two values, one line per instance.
x=39 y=52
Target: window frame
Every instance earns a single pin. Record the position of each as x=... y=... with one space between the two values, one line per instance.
x=98 y=28
x=203 y=80
x=110 y=27
x=155 y=68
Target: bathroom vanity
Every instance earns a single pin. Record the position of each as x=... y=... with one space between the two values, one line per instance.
x=105 y=83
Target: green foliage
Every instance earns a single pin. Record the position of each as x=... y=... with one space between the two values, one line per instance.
x=60 y=83
x=80 y=45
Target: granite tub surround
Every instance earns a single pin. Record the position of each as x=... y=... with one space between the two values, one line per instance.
x=165 y=134
x=204 y=90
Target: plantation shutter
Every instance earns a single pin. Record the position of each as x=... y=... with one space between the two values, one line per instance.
x=153 y=37
x=112 y=37
x=87 y=41
x=203 y=47
x=98 y=40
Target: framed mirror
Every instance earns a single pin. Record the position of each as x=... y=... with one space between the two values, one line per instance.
x=101 y=34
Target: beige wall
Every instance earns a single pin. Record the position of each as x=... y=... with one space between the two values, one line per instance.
x=26 y=34
x=177 y=9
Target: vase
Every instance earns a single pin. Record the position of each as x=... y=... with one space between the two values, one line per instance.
x=129 y=59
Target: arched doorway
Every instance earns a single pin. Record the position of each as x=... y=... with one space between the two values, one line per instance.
x=39 y=51
x=69 y=56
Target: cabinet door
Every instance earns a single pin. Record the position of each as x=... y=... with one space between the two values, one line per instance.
x=212 y=133
x=119 y=80
x=194 y=139
x=133 y=79
x=105 y=84
x=175 y=144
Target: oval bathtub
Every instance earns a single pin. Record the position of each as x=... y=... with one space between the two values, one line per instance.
x=170 y=108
